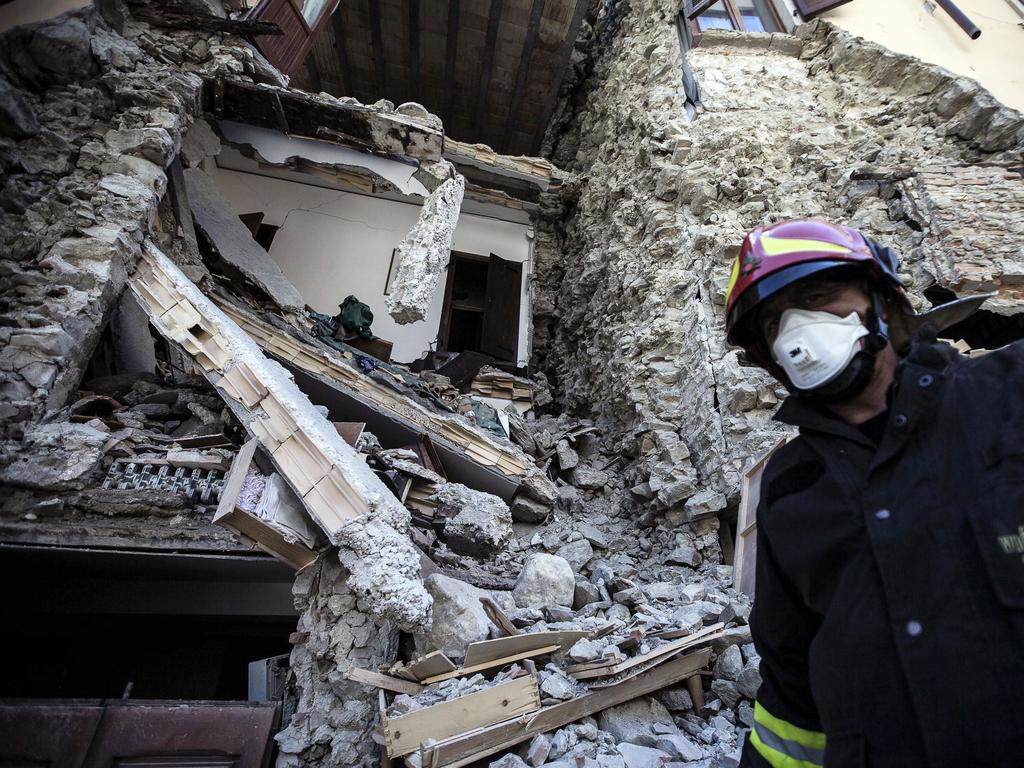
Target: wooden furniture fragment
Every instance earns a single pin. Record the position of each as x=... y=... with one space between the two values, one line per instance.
x=663 y=652
x=404 y=734
x=490 y=650
x=432 y=664
x=382 y=681
x=231 y=516
x=483 y=666
x=470 y=746
x=745 y=550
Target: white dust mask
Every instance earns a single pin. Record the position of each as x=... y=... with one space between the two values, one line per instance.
x=814 y=347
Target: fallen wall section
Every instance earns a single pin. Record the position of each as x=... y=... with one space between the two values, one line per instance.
x=339 y=491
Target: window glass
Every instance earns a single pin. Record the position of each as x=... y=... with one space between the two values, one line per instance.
x=311 y=10
x=715 y=17
x=757 y=15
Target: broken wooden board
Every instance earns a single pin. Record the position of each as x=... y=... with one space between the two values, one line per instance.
x=432 y=664
x=470 y=746
x=493 y=664
x=745 y=549
x=491 y=650
x=705 y=635
x=246 y=524
x=220 y=224
x=403 y=735
x=382 y=681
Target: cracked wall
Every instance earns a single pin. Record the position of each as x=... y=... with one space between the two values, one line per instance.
x=633 y=260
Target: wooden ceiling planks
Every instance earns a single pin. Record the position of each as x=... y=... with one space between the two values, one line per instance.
x=500 y=94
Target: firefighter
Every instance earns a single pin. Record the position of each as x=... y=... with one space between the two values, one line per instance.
x=889 y=605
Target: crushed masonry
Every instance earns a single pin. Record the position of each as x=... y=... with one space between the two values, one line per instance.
x=553 y=581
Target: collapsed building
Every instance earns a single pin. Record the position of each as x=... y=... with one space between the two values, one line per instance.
x=511 y=526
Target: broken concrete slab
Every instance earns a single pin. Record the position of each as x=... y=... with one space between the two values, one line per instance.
x=340 y=492
x=423 y=253
x=220 y=224
x=478 y=524
x=199 y=143
x=56 y=456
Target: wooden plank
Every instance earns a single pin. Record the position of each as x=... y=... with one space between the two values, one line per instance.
x=378 y=48
x=490 y=650
x=414 y=49
x=313 y=72
x=536 y=12
x=708 y=633
x=404 y=734
x=350 y=430
x=384 y=682
x=451 y=53
x=464 y=671
x=498 y=617
x=551 y=100
x=487 y=65
x=348 y=89
x=745 y=549
x=470 y=747
x=432 y=664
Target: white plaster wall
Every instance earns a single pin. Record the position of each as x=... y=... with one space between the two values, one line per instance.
x=332 y=244
x=996 y=59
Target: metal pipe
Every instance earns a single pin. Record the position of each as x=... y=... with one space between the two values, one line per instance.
x=960 y=18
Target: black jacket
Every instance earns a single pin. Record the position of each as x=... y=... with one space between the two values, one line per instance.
x=889 y=606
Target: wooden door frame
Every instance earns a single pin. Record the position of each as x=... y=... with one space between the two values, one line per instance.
x=446 y=306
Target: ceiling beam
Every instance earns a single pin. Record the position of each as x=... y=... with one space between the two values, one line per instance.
x=347 y=87
x=487 y=66
x=521 y=76
x=313 y=72
x=452 y=49
x=414 y=50
x=378 y=48
x=551 y=101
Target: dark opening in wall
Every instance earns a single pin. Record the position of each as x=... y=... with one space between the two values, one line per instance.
x=984 y=329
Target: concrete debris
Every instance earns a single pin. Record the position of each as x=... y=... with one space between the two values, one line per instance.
x=458 y=618
x=423 y=253
x=235 y=244
x=56 y=456
x=199 y=143
x=477 y=524
x=545 y=580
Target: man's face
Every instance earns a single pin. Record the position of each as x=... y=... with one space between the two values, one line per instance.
x=820 y=294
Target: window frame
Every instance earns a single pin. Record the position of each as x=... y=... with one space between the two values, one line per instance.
x=734 y=16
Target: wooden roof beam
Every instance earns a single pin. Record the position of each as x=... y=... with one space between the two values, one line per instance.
x=551 y=101
x=536 y=12
x=487 y=66
x=343 y=62
x=451 y=51
x=414 y=50
x=378 y=48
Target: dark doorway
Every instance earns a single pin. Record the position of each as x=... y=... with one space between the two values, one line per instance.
x=481 y=306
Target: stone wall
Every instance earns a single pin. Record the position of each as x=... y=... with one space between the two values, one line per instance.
x=633 y=262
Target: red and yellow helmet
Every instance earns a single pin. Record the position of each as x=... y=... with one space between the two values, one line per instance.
x=777 y=255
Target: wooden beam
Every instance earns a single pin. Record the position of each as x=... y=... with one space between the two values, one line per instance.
x=384 y=682
x=451 y=52
x=414 y=50
x=313 y=71
x=698 y=8
x=348 y=88
x=521 y=76
x=470 y=747
x=551 y=101
x=492 y=664
x=378 y=48
x=487 y=65
x=173 y=19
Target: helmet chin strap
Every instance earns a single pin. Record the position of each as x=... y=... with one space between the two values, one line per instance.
x=854 y=378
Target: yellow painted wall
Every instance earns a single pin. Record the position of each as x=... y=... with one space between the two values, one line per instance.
x=996 y=59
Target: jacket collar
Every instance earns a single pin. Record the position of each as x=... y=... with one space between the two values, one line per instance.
x=924 y=355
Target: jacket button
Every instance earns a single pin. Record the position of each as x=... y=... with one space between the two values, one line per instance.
x=900 y=420
x=882 y=514
x=914 y=628
x=926 y=380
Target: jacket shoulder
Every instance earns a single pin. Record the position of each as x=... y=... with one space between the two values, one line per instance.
x=1003 y=363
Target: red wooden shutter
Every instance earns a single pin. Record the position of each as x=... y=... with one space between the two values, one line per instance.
x=810 y=9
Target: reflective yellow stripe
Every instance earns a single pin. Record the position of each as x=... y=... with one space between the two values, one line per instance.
x=788 y=731
x=778 y=246
x=778 y=759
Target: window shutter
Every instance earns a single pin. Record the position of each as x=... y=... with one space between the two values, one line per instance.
x=810 y=9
